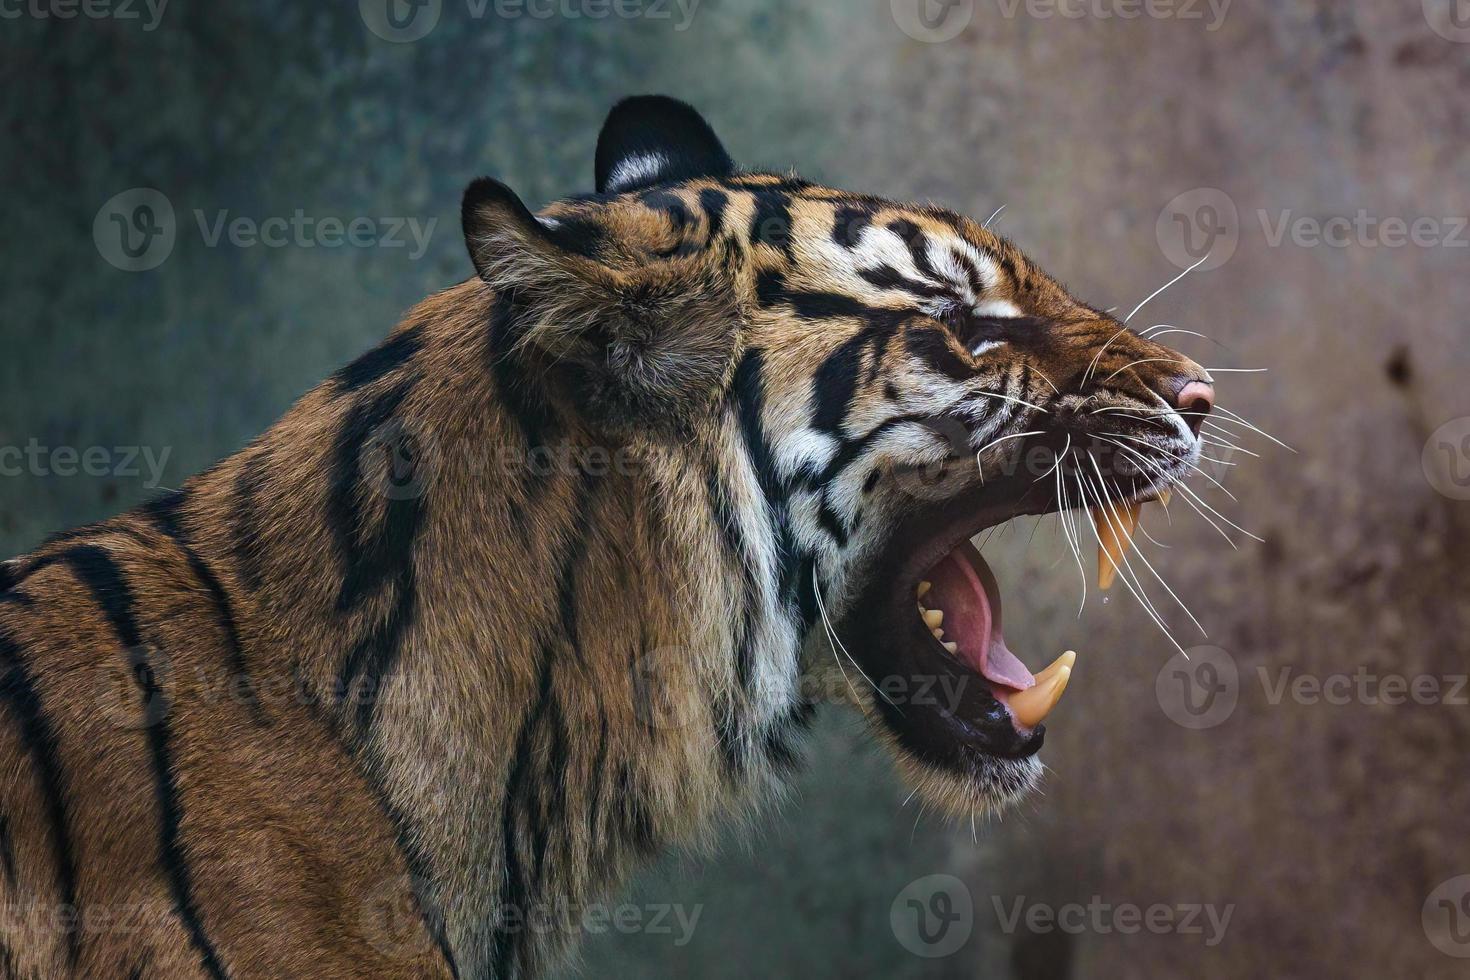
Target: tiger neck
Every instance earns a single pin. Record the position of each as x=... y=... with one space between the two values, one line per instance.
x=550 y=657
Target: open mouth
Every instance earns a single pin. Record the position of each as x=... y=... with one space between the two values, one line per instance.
x=930 y=621
x=959 y=602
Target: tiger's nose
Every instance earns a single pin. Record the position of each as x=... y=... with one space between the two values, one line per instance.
x=1194 y=401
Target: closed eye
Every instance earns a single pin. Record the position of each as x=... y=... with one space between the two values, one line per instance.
x=980 y=334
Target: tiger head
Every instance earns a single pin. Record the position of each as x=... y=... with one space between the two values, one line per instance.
x=868 y=385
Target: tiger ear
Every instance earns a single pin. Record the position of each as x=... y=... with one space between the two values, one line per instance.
x=507 y=242
x=647 y=346
x=653 y=139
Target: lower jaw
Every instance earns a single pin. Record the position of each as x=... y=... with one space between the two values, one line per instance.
x=966 y=724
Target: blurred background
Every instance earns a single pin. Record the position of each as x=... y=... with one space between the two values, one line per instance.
x=1292 y=801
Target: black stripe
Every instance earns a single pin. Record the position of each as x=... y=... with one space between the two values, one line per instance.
x=918 y=243
x=367 y=569
x=9 y=575
x=7 y=852
x=779 y=747
x=387 y=556
x=595 y=778
x=770 y=221
x=19 y=693
x=887 y=277
x=849 y=223
x=935 y=349
x=776 y=183
x=829 y=520
x=522 y=402
x=97 y=571
x=730 y=733
x=166 y=513
x=578 y=234
x=638 y=825
x=714 y=203
x=748 y=391
x=372 y=658
x=515 y=891
x=972 y=273
x=248 y=545
x=380 y=361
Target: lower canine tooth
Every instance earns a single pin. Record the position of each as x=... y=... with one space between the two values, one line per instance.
x=1030 y=706
x=1065 y=660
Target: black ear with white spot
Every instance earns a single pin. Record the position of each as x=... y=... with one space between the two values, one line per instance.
x=653 y=139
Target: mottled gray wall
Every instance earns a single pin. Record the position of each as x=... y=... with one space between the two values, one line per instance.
x=1324 y=826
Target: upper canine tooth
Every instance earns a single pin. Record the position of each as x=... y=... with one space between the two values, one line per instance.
x=924 y=588
x=1165 y=495
x=933 y=618
x=1115 y=527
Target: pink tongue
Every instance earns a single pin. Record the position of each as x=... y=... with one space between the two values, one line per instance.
x=962 y=586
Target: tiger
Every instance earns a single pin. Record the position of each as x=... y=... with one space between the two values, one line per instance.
x=546 y=582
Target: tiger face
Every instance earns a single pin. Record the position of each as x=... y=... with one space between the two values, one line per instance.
x=870 y=385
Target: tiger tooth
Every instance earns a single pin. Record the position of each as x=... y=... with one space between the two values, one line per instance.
x=1165 y=495
x=933 y=618
x=1065 y=660
x=938 y=633
x=951 y=646
x=1031 y=706
x=924 y=588
x=1115 y=527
